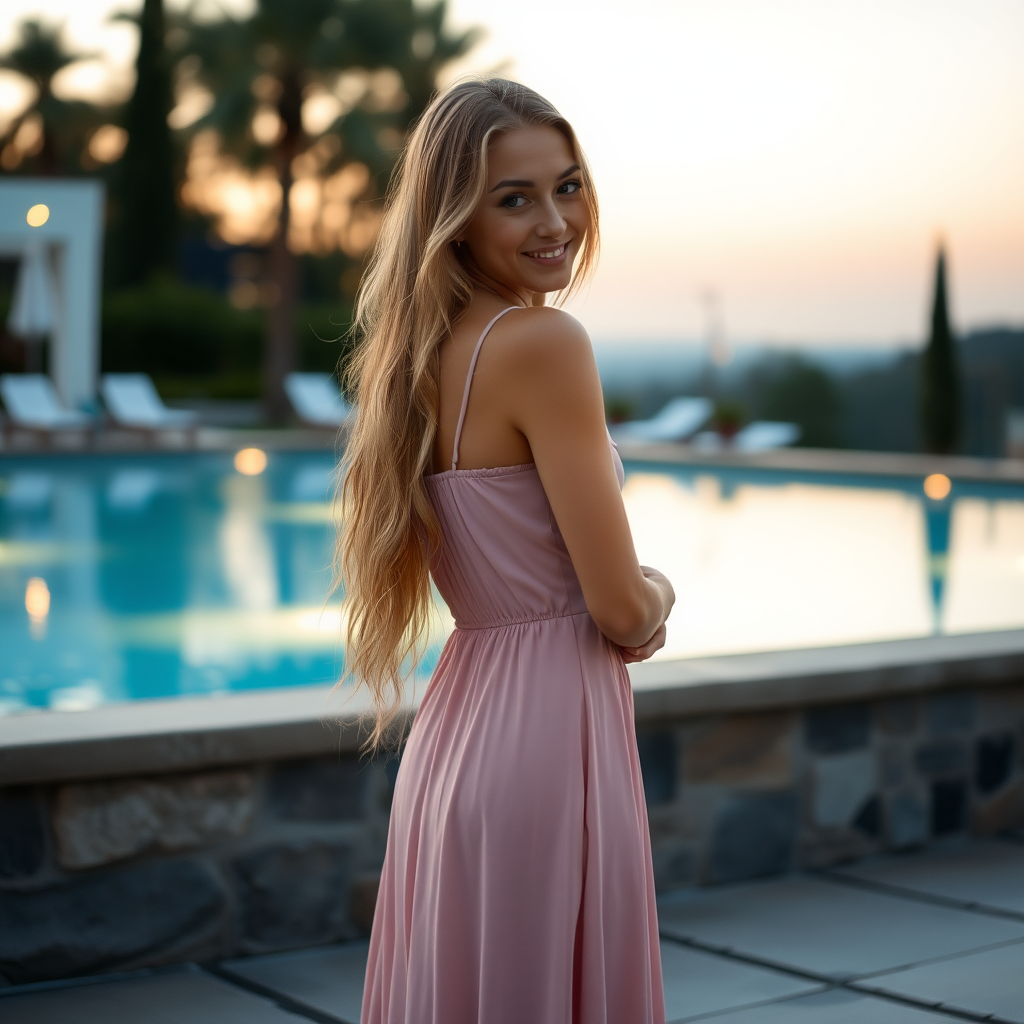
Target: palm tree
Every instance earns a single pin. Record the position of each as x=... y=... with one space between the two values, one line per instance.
x=260 y=70
x=63 y=126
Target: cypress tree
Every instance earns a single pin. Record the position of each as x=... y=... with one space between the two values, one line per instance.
x=940 y=375
x=146 y=217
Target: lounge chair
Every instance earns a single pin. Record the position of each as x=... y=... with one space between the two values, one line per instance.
x=759 y=436
x=316 y=399
x=133 y=402
x=677 y=421
x=32 y=405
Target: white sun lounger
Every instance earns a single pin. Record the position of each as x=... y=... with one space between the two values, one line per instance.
x=32 y=404
x=677 y=421
x=316 y=399
x=133 y=402
x=759 y=436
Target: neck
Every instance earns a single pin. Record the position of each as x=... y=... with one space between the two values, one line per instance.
x=513 y=296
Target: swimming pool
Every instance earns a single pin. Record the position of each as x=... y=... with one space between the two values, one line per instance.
x=131 y=577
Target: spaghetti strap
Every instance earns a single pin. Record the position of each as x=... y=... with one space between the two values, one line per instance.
x=469 y=384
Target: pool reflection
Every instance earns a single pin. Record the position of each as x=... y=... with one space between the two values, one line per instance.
x=180 y=575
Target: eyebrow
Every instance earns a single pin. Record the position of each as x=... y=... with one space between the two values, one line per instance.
x=523 y=183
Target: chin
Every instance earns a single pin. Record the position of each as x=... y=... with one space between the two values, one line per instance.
x=554 y=280
x=552 y=284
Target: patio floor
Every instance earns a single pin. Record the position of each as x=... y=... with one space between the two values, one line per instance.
x=927 y=937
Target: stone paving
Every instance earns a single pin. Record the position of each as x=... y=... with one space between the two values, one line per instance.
x=935 y=936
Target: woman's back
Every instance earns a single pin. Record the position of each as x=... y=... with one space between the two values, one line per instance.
x=489 y=439
x=517 y=884
x=502 y=559
x=519 y=846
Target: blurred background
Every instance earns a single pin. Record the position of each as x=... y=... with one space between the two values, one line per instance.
x=813 y=229
x=776 y=183
x=809 y=322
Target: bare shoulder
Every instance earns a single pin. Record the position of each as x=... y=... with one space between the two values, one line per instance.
x=541 y=340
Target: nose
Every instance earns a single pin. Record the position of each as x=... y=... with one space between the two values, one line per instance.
x=550 y=222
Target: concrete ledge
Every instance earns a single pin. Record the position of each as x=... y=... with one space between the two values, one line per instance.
x=822 y=460
x=145 y=737
x=823 y=675
x=795 y=460
x=118 y=441
x=148 y=737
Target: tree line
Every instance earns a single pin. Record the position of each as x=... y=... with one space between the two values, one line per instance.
x=330 y=84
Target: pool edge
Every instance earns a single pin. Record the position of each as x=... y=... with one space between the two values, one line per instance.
x=152 y=737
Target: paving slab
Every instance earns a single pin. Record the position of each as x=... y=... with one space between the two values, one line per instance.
x=329 y=979
x=698 y=983
x=987 y=983
x=987 y=872
x=185 y=996
x=828 y=928
x=836 y=1006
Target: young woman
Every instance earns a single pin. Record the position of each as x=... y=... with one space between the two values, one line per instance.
x=517 y=885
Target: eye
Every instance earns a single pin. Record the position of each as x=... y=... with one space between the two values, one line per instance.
x=567 y=188
x=514 y=201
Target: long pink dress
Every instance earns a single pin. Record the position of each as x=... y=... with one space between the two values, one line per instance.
x=517 y=885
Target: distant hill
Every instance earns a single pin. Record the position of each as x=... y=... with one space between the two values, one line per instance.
x=850 y=398
x=881 y=405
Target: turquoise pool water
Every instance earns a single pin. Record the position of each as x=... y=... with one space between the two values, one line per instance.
x=134 y=577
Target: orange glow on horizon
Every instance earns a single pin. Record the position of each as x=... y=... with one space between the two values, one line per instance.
x=325 y=212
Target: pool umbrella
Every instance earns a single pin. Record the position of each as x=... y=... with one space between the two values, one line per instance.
x=33 y=308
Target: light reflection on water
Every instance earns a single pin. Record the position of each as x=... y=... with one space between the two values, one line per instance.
x=774 y=567
x=177 y=575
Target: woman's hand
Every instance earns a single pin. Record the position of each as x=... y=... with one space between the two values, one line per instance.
x=632 y=654
x=657 y=641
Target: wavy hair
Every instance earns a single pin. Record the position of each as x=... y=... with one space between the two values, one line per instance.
x=415 y=288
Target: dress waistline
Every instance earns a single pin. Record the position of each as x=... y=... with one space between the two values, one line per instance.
x=518 y=622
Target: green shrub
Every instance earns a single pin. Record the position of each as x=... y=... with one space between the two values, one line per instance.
x=168 y=329
x=322 y=333
x=802 y=393
x=194 y=343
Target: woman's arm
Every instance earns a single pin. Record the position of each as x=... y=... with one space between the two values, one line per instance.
x=553 y=394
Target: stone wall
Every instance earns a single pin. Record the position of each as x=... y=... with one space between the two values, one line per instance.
x=743 y=795
x=142 y=871
x=130 y=872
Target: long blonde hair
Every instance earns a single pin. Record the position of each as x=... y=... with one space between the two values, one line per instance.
x=415 y=288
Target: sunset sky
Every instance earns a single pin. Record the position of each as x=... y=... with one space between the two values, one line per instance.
x=801 y=159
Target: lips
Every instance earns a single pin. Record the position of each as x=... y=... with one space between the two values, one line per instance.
x=554 y=252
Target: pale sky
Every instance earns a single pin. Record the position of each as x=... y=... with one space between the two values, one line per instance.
x=799 y=157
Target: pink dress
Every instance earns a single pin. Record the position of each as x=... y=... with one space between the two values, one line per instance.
x=517 y=886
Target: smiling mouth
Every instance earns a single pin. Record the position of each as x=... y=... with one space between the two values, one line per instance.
x=548 y=254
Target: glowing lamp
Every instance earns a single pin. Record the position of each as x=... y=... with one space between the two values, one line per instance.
x=251 y=461
x=937 y=486
x=37 y=215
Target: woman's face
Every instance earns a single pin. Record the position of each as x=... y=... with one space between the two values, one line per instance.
x=528 y=227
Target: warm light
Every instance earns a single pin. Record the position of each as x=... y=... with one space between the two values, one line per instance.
x=325 y=214
x=107 y=144
x=195 y=103
x=37 y=604
x=320 y=111
x=267 y=126
x=251 y=461
x=937 y=486
x=244 y=295
x=38 y=215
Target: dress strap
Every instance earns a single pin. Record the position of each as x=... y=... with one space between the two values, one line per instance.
x=469 y=384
